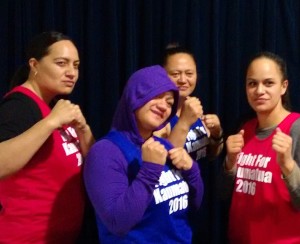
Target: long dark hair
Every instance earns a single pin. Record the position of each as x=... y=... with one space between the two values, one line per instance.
x=283 y=70
x=37 y=48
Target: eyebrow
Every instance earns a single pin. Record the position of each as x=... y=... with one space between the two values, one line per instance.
x=170 y=97
x=67 y=59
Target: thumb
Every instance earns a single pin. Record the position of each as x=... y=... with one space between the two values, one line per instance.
x=278 y=129
x=148 y=141
x=242 y=132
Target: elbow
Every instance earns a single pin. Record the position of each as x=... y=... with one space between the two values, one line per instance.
x=119 y=231
x=197 y=197
x=116 y=226
x=5 y=172
x=200 y=194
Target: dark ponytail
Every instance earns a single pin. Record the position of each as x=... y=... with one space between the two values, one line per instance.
x=20 y=76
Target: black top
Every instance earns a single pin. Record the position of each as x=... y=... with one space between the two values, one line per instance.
x=18 y=113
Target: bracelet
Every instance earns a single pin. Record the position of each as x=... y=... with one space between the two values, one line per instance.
x=217 y=140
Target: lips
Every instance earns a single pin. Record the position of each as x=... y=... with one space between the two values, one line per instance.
x=183 y=88
x=260 y=101
x=158 y=113
x=69 y=83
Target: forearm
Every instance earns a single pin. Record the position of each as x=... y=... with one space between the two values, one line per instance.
x=126 y=209
x=215 y=147
x=179 y=133
x=86 y=139
x=225 y=182
x=120 y=204
x=196 y=188
x=16 y=152
x=291 y=171
x=292 y=182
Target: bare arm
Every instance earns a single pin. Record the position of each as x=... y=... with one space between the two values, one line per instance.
x=16 y=152
x=86 y=139
x=286 y=147
x=83 y=130
x=213 y=125
x=191 y=111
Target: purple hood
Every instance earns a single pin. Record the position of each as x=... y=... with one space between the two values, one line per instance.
x=142 y=86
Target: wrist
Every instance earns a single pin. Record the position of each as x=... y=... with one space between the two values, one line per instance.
x=229 y=164
x=183 y=125
x=287 y=168
x=217 y=137
x=83 y=128
x=51 y=123
x=217 y=140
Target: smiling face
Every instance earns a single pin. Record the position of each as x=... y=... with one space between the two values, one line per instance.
x=154 y=113
x=57 y=72
x=181 y=69
x=265 y=85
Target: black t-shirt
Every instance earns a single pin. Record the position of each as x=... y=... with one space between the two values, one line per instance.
x=18 y=113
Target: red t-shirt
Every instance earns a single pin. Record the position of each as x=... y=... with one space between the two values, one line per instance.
x=261 y=210
x=44 y=201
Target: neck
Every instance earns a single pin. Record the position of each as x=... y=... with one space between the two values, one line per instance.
x=180 y=104
x=35 y=89
x=266 y=120
x=146 y=136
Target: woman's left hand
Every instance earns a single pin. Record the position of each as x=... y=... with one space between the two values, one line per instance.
x=79 y=123
x=282 y=144
x=180 y=158
x=212 y=123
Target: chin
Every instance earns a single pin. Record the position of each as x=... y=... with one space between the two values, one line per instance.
x=184 y=94
x=156 y=125
x=66 y=91
x=261 y=110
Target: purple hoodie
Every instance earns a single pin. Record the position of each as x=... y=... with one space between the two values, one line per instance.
x=120 y=202
x=142 y=87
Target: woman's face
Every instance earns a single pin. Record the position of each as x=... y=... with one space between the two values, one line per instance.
x=57 y=72
x=264 y=85
x=181 y=69
x=154 y=113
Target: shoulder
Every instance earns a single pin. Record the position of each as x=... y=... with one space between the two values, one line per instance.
x=295 y=129
x=18 y=103
x=103 y=146
x=17 y=114
x=104 y=157
x=105 y=151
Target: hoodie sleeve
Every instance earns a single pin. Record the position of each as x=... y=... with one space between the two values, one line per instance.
x=118 y=204
x=194 y=180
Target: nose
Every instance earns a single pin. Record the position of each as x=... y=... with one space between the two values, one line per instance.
x=71 y=71
x=182 y=78
x=260 y=89
x=162 y=105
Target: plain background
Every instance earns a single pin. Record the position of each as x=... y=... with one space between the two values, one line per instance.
x=117 y=37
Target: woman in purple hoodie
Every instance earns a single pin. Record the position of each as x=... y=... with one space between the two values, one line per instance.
x=142 y=188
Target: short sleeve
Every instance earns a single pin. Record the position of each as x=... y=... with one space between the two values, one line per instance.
x=18 y=113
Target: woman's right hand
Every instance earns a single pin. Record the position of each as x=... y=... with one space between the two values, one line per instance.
x=191 y=110
x=63 y=113
x=154 y=152
x=234 y=145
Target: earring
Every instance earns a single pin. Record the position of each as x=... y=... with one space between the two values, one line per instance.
x=35 y=73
